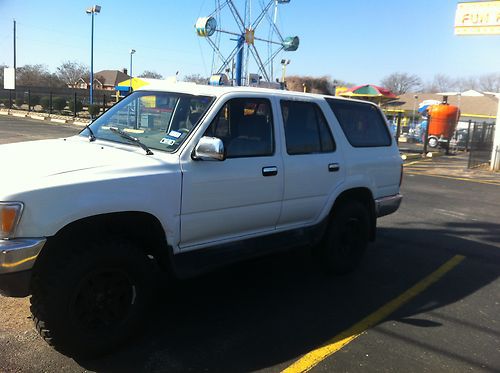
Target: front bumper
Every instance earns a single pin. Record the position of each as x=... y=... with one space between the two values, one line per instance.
x=387 y=205
x=16 y=260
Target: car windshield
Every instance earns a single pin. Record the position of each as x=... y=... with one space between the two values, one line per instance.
x=159 y=120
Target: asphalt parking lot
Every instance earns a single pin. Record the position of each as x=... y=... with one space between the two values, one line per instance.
x=425 y=299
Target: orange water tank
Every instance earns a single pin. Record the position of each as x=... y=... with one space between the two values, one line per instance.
x=443 y=121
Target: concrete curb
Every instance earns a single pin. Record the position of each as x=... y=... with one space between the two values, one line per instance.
x=52 y=118
x=57 y=120
x=416 y=156
x=38 y=117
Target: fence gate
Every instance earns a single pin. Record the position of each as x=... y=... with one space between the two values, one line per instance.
x=480 y=144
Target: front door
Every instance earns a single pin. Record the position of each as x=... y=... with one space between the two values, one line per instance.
x=240 y=196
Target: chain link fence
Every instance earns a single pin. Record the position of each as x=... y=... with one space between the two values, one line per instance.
x=480 y=144
x=62 y=101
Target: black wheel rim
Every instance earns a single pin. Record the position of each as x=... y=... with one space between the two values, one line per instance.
x=104 y=300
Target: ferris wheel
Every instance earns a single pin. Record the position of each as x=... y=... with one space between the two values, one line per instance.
x=246 y=31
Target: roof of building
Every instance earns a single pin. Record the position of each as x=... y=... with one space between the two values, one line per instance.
x=109 y=77
x=473 y=105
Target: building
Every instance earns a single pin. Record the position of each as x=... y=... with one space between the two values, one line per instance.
x=475 y=106
x=103 y=80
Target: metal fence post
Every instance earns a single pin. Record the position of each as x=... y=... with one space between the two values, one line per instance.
x=10 y=99
x=29 y=100
x=471 y=152
x=103 y=102
x=398 y=128
x=50 y=102
x=467 y=143
x=426 y=139
x=74 y=104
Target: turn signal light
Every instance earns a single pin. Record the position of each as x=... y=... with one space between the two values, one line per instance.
x=10 y=213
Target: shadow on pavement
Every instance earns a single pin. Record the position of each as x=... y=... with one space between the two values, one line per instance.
x=270 y=311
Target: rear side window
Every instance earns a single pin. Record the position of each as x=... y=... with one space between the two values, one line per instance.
x=362 y=123
x=306 y=129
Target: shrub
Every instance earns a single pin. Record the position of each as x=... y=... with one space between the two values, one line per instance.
x=79 y=105
x=58 y=103
x=5 y=102
x=94 y=110
x=19 y=101
x=45 y=102
x=34 y=100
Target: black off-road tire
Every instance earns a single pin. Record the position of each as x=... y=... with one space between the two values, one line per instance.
x=346 y=238
x=87 y=301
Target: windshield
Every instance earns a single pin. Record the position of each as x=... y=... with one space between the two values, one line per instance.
x=159 y=120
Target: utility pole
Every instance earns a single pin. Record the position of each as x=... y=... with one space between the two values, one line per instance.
x=14 y=52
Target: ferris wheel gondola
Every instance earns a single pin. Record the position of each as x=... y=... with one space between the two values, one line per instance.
x=246 y=36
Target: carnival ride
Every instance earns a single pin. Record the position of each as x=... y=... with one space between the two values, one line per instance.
x=246 y=35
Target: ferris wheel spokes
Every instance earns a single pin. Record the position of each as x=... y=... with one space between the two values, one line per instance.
x=245 y=38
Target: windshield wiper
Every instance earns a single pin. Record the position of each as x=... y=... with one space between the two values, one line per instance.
x=125 y=135
x=91 y=133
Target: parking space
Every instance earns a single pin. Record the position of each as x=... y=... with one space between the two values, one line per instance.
x=269 y=314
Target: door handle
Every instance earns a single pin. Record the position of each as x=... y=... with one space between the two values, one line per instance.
x=333 y=167
x=270 y=171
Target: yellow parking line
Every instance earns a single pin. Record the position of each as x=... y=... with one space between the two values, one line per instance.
x=313 y=358
x=489 y=182
x=419 y=161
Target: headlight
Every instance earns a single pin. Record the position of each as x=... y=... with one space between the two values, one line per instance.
x=10 y=213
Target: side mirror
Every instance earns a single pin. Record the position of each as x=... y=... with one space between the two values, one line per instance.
x=209 y=149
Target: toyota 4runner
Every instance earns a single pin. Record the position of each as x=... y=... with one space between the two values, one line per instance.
x=180 y=179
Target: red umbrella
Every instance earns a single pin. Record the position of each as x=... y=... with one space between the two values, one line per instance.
x=370 y=92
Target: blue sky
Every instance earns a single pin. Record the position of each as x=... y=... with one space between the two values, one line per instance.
x=360 y=41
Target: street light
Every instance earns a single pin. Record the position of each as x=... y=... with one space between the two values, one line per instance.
x=414 y=108
x=93 y=10
x=283 y=64
x=132 y=51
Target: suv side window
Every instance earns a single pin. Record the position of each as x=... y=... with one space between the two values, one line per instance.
x=245 y=126
x=306 y=129
x=362 y=123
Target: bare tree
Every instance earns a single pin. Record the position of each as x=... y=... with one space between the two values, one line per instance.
x=37 y=75
x=195 y=78
x=442 y=83
x=490 y=82
x=467 y=83
x=2 y=66
x=150 y=74
x=70 y=71
x=400 y=83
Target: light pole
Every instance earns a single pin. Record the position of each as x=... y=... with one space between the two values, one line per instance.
x=132 y=51
x=93 y=10
x=414 y=108
x=283 y=72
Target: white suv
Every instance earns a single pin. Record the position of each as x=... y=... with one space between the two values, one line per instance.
x=181 y=179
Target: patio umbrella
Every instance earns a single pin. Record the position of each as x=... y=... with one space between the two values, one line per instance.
x=370 y=92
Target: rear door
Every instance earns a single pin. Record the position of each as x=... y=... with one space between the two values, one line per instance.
x=313 y=165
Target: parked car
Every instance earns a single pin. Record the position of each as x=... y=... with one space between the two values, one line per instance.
x=180 y=180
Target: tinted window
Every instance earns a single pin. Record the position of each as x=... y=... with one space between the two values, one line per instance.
x=246 y=128
x=362 y=123
x=306 y=129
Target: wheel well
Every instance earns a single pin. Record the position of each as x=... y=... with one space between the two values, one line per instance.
x=365 y=197
x=142 y=228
